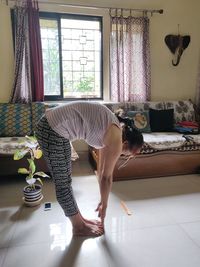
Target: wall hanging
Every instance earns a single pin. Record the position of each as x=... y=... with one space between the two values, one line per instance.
x=177 y=44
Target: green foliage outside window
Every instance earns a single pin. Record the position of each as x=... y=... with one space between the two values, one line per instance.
x=86 y=85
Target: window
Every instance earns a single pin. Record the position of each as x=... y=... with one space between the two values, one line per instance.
x=72 y=56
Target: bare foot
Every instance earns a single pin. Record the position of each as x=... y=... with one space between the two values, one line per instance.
x=88 y=229
x=83 y=227
x=94 y=222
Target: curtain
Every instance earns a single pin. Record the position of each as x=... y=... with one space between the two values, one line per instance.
x=129 y=59
x=21 y=92
x=37 y=83
x=28 y=77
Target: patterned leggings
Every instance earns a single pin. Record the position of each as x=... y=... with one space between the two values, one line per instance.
x=57 y=153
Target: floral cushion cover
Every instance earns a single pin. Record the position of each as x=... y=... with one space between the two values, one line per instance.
x=183 y=110
x=133 y=106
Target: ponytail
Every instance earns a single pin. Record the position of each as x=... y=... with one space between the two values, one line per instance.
x=130 y=133
x=127 y=121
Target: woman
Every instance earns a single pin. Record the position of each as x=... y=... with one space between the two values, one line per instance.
x=100 y=128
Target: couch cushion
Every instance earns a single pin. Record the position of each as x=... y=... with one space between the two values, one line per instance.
x=141 y=120
x=161 y=120
x=164 y=140
x=15 y=119
x=38 y=110
x=168 y=140
x=183 y=110
x=147 y=105
x=8 y=146
x=133 y=106
x=173 y=142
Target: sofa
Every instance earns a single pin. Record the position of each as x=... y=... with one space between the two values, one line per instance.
x=17 y=121
x=165 y=152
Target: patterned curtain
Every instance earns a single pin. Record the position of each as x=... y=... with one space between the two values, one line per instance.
x=21 y=92
x=28 y=78
x=129 y=59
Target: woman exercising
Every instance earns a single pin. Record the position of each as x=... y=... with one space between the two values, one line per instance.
x=100 y=128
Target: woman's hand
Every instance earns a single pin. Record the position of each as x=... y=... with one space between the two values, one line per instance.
x=101 y=209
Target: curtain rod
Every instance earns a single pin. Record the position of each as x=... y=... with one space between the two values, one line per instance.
x=160 y=11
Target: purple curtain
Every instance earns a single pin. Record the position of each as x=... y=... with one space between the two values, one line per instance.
x=129 y=59
x=37 y=83
x=28 y=79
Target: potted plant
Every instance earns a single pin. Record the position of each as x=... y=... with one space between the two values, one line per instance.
x=33 y=191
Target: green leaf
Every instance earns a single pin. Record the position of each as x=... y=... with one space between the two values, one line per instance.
x=23 y=171
x=37 y=153
x=31 y=165
x=42 y=174
x=38 y=179
x=19 y=154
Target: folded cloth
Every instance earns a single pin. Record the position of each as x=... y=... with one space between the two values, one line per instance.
x=190 y=130
x=188 y=123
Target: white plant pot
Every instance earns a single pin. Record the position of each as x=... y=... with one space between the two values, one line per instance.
x=32 y=197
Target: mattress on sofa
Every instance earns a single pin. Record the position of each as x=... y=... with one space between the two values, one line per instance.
x=159 y=141
x=8 y=146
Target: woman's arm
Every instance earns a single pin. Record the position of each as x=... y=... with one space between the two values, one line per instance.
x=108 y=157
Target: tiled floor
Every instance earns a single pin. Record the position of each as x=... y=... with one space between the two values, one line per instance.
x=163 y=230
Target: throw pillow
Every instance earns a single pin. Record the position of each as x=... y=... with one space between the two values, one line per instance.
x=161 y=120
x=38 y=110
x=15 y=120
x=141 y=120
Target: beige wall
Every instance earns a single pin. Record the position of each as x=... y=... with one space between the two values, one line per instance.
x=168 y=82
x=6 y=54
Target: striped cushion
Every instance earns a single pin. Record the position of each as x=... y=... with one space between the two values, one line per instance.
x=15 y=120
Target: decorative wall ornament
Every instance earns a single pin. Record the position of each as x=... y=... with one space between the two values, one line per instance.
x=177 y=44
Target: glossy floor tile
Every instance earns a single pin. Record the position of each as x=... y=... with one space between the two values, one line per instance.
x=193 y=231
x=162 y=231
x=8 y=221
x=77 y=253
x=3 y=252
x=145 y=213
x=151 y=247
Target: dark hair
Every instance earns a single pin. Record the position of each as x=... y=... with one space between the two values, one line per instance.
x=130 y=134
